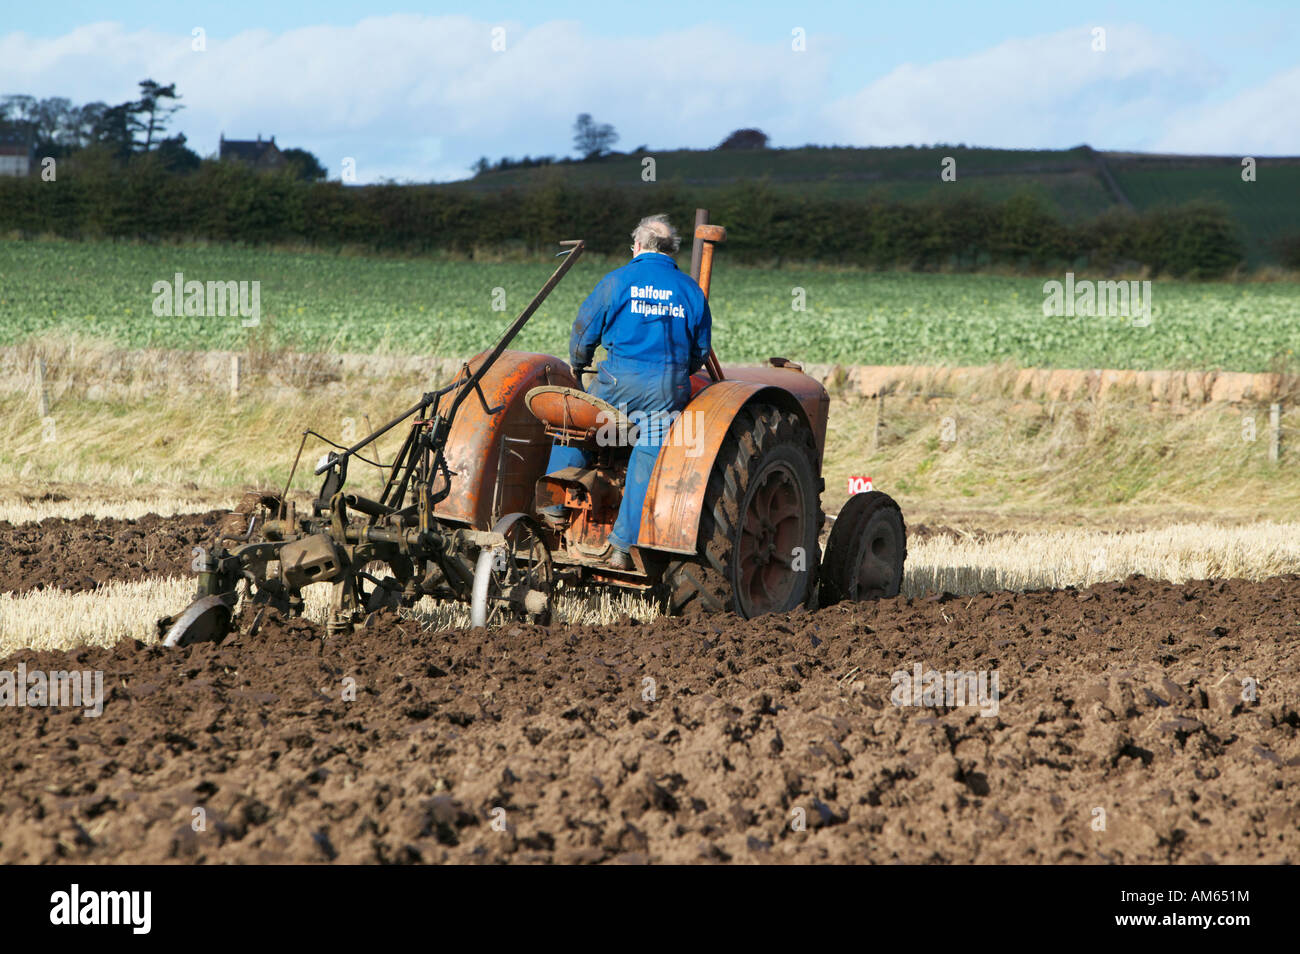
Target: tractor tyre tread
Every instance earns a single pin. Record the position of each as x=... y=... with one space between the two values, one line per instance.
x=701 y=585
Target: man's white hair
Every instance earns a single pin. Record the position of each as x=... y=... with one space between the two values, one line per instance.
x=655 y=233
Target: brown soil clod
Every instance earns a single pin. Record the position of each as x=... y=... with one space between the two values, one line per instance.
x=78 y=555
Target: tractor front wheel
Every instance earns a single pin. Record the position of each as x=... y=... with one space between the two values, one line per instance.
x=866 y=550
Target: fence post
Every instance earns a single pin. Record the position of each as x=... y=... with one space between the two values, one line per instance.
x=234 y=377
x=880 y=420
x=42 y=399
x=1274 y=432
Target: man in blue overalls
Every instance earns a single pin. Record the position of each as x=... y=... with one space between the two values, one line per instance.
x=654 y=322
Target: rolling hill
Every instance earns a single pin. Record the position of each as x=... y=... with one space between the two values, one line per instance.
x=1078 y=183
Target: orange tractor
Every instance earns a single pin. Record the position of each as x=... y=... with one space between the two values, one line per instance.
x=732 y=518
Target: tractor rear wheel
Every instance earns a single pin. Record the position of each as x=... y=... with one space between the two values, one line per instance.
x=759 y=524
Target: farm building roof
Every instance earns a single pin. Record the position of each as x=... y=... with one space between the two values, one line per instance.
x=12 y=145
x=247 y=150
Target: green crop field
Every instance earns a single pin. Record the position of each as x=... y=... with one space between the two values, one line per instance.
x=1073 y=195
x=444 y=307
x=721 y=166
x=1266 y=209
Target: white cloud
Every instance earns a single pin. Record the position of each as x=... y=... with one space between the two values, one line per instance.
x=1261 y=121
x=395 y=91
x=417 y=97
x=1044 y=91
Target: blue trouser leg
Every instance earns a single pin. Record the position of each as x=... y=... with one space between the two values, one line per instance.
x=639 y=469
x=634 y=391
x=566 y=455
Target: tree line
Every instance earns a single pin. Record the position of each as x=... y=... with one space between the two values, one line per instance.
x=58 y=128
x=135 y=130
x=227 y=202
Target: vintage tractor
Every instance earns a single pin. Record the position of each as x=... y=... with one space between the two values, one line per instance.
x=732 y=518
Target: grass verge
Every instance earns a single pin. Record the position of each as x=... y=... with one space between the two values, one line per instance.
x=123 y=433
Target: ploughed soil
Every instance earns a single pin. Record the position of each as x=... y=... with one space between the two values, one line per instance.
x=78 y=555
x=1121 y=735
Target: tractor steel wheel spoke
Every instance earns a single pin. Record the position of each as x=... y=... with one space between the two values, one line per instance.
x=787 y=509
x=776 y=505
x=524 y=562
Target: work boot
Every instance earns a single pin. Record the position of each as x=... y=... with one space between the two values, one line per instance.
x=618 y=559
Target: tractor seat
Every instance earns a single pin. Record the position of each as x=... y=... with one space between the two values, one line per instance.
x=576 y=417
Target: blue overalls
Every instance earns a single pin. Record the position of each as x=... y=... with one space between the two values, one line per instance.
x=654 y=322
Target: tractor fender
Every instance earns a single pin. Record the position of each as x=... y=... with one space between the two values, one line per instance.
x=675 y=497
x=511 y=438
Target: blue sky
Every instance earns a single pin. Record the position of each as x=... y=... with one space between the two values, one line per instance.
x=417 y=92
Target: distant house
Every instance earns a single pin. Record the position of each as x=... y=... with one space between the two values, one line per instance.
x=15 y=156
x=259 y=153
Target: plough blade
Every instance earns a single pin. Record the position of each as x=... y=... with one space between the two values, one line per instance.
x=206 y=620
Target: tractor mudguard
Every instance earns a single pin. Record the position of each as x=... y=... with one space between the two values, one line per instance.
x=671 y=519
x=512 y=438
